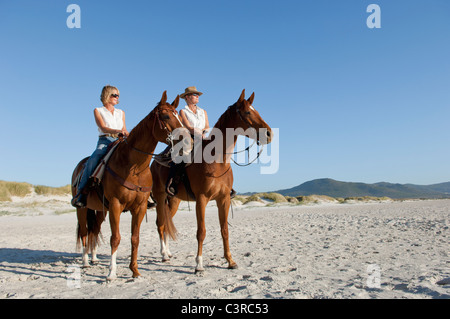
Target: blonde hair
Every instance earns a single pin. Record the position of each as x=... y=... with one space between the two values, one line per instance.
x=107 y=91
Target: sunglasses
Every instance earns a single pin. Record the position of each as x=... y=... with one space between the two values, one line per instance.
x=194 y=94
x=115 y=95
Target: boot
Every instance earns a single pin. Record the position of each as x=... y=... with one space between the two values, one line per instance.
x=80 y=199
x=232 y=194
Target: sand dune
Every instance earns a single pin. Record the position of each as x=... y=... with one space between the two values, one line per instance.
x=369 y=250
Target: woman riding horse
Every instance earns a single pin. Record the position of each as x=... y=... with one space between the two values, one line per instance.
x=209 y=180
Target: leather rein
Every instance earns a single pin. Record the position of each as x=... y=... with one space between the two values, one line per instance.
x=169 y=139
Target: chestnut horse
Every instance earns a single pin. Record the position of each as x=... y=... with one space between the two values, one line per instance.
x=212 y=180
x=127 y=182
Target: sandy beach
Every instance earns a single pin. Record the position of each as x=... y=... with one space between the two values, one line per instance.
x=342 y=251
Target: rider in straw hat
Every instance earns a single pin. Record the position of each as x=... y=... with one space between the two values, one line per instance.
x=195 y=119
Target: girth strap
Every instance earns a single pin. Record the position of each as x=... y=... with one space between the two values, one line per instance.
x=127 y=184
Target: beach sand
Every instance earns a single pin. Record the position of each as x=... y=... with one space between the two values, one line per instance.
x=361 y=250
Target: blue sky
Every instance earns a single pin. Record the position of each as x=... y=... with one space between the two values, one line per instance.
x=351 y=103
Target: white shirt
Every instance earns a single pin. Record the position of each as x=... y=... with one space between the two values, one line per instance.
x=114 y=121
x=197 y=120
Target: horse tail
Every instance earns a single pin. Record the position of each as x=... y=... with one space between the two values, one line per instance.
x=78 y=237
x=94 y=220
x=169 y=226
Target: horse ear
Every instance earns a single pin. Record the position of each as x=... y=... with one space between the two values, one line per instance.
x=163 y=98
x=176 y=101
x=242 y=97
x=251 y=98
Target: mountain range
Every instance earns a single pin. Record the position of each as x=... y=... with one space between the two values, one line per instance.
x=333 y=188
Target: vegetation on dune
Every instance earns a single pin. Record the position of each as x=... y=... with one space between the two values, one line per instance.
x=19 y=189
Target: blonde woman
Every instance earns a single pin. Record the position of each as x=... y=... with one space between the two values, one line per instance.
x=111 y=122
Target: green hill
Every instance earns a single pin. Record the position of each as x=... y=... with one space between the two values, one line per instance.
x=333 y=188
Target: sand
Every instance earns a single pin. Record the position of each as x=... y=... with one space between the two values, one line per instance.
x=352 y=251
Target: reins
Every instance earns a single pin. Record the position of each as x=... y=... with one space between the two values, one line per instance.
x=169 y=139
x=162 y=125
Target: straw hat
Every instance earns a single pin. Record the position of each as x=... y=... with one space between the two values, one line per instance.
x=190 y=90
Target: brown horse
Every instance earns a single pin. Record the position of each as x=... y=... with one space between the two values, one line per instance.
x=127 y=182
x=209 y=180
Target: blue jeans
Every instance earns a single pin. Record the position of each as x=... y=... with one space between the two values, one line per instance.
x=95 y=158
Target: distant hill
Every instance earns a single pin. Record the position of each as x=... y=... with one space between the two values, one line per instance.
x=333 y=188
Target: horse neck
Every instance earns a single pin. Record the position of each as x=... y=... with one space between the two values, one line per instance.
x=227 y=120
x=141 y=143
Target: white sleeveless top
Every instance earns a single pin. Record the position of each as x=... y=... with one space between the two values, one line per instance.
x=196 y=120
x=114 y=121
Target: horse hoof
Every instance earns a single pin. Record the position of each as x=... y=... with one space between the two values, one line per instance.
x=234 y=266
x=166 y=260
x=136 y=274
x=199 y=271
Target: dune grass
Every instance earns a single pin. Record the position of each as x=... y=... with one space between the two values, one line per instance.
x=8 y=189
x=19 y=189
x=47 y=190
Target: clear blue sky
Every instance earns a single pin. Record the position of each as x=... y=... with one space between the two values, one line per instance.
x=351 y=103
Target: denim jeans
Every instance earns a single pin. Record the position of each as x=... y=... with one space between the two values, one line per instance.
x=94 y=160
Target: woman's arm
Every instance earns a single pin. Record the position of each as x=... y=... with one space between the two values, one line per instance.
x=104 y=128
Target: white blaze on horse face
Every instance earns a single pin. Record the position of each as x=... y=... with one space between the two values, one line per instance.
x=252 y=108
x=178 y=118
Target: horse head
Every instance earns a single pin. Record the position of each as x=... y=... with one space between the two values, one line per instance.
x=250 y=119
x=168 y=120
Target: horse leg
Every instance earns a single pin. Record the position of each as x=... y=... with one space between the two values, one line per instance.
x=114 y=220
x=164 y=223
x=174 y=203
x=201 y=232
x=161 y=205
x=99 y=218
x=82 y=235
x=136 y=221
x=223 y=206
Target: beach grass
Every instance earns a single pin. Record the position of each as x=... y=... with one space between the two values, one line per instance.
x=21 y=189
x=8 y=189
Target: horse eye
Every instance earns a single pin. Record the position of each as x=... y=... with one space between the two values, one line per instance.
x=247 y=113
x=165 y=117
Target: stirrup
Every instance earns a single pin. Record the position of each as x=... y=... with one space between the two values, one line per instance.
x=79 y=201
x=170 y=188
x=233 y=193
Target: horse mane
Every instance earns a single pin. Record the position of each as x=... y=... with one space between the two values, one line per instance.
x=143 y=127
x=225 y=117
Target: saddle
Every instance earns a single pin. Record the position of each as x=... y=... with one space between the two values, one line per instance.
x=95 y=180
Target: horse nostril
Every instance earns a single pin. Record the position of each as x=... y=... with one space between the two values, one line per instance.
x=268 y=133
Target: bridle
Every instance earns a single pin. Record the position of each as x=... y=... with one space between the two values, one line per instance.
x=247 y=149
x=162 y=125
x=169 y=139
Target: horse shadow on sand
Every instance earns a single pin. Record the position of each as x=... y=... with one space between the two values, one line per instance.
x=23 y=261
